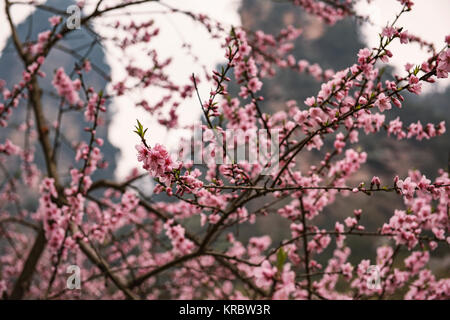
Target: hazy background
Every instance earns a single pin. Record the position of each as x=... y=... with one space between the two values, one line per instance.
x=332 y=47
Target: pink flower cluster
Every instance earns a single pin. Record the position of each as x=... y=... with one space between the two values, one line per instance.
x=264 y=275
x=157 y=161
x=94 y=103
x=419 y=192
x=55 y=20
x=9 y=148
x=330 y=13
x=443 y=67
x=51 y=215
x=176 y=234
x=66 y=87
x=42 y=40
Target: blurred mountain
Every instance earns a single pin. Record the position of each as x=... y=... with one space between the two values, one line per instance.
x=80 y=43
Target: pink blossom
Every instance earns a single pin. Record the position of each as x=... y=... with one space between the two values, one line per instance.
x=264 y=275
x=414 y=85
x=54 y=20
x=383 y=103
x=66 y=87
x=9 y=148
x=443 y=67
x=363 y=55
x=407 y=187
x=157 y=161
x=404 y=39
x=350 y=222
x=254 y=85
x=376 y=181
x=389 y=32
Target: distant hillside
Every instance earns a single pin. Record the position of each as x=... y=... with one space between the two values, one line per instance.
x=79 y=42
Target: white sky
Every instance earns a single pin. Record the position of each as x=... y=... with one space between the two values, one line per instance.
x=429 y=19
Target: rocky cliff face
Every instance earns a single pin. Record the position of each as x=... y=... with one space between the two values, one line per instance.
x=78 y=45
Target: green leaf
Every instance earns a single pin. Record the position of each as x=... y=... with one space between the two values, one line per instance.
x=281 y=259
x=140 y=131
